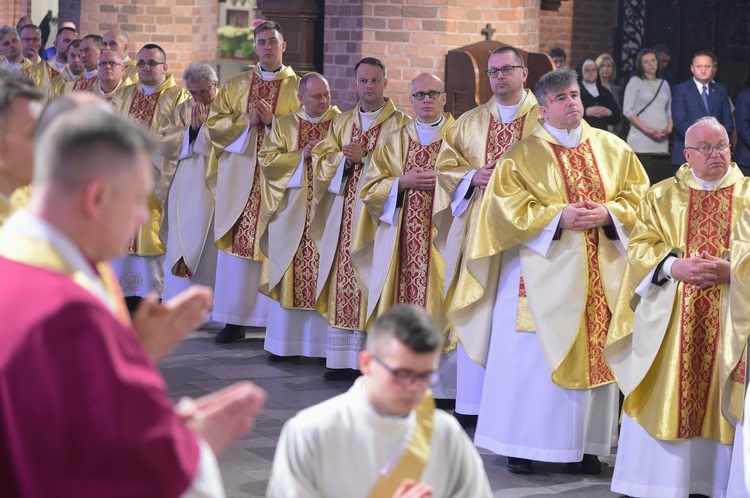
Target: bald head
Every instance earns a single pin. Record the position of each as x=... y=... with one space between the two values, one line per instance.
x=117 y=41
x=427 y=96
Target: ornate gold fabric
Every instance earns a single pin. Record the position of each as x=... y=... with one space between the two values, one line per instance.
x=150 y=111
x=82 y=84
x=44 y=72
x=340 y=298
x=56 y=86
x=678 y=394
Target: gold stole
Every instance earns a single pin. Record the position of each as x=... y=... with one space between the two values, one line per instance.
x=346 y=295
x=709 y=226
x=82 y=84
x=415 y=237
x=17 y=247
x=583 y=182
x=243 y=239
x=304 y=267
x=416 y=455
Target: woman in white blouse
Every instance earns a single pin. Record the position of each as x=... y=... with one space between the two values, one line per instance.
x=647 y=105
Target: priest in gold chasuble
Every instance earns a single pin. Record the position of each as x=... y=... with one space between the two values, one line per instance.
x=240 y=118
x=147 y=102
x=469 y=154
x=290 y=270
x=91 y=49
x=341 y=161
x=671 y=345
x=558 y=210
x=395 y=256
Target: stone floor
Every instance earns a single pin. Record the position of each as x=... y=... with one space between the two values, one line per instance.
x=201 y=366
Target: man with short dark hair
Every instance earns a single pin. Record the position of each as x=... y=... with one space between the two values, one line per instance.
x=42 y=74
x=148 y=102
x=341 y=161
x=68 y=429
x=544 y=265
x=240 y=117
x=91 y=49
x=31 y=42
x=385 y=430
x=559 y=57
x=664 y=55
x=56 y=86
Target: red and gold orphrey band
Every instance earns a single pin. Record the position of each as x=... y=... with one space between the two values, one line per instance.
x=709 y=226
x=347 y=296
x=416 y=230
x=143 y=107
x=583 y=182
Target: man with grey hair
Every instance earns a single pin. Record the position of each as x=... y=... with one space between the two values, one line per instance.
x=384 y=431
x=10 y=50
x=678 y=359
x=92 y=174
x=186 y=147
x=547 y=257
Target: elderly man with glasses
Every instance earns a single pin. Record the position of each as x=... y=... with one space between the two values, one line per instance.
x=110 y=75
x=471 y=150
x=384 y=436
x=671 y=345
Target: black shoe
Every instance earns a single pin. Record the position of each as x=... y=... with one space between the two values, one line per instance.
x=230 y=333
x=341 y=374
x=466 y=421
x=519 y=466
x=589 y=465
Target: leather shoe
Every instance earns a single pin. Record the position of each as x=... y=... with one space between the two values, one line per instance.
x=341 y=374
x=230 y=333
x=466 y=421
x=589 y=465
x=519 y=466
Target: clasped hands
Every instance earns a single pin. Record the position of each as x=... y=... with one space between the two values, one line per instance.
x=354 y=153
x=262 y=113
x=198 y=115
x=703 y=271
x=584 y=216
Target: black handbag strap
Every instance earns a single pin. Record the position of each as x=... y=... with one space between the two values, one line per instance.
x=652 y=100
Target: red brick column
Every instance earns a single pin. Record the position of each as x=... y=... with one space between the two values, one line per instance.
x=13 y=10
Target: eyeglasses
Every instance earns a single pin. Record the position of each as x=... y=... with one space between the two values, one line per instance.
x=493 y=72
x=201 y=93
x=706 y=149
x=405 y=377
x=29 y=40
x=151 y=64
x=432 y=94
x=112 y=64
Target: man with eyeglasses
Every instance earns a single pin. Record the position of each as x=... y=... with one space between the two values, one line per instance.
x=110 y=75
x=672 y=347
x=290 y=272
x=696 y=98
x=188 y=226
x=470 y=152
x=91 y=49
x=239 y=120
x=340 y=164
x=383 y=437
x=118 y=41
x=399 y=194
x=148 y=102
x=43 y=74
x=543 y=266
x=31 y=42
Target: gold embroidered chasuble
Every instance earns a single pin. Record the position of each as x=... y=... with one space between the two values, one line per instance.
x=234 y=177
x=339 y=296
x=399 y=263
x=674 y=353
x=734 y=364
x=56 y=86
x=193 y=202
x=290 y=275
x=479 y=137
x=150 y=111
x=26 y=66
x=130 y=71
x=81 y=84
x=571 y=289
x=44 y=72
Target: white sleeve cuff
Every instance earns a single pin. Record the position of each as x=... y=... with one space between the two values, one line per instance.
x=238 y=146
x=296 y=180
x=187 y=148
x=541 y=243
x=336 y=185
x=459 y=203
x=647 y=286
x=207 y=482
x=390 y=211
x=623 y=235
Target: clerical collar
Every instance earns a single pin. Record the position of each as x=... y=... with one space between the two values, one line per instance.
x=362 y=111
x=60 y=65
x=90 y=74
x=569 y=138
x=274 y=71
x=15 y=65
x=126 y=59
x=508 y=112
x=710 y=185
x=270 y=75
x=434 y=124
x=312 y=119
x=363 y=391
x=148 y=90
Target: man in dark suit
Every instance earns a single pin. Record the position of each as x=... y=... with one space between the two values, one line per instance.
x=696 y=98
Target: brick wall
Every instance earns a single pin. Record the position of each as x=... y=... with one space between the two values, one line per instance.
x=582 y=27
x=13 y=10
x=185 y=29
x=413 y=38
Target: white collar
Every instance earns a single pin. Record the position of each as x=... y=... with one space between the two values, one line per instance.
x=88 y=75
x=508 y=112
x=148 y=90
x=315 y=120
x=710 y=185
x=270 y=75
x=591 y=88
x=569 y=138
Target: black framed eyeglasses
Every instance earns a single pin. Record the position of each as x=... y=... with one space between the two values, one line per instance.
x=200 y=93
x=493 y=72
x=432 y=94
x=405 y=377
x=150 y=63
x=706 y=149
x=108 y=63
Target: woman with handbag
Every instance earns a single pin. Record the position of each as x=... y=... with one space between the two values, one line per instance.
x=647 y=105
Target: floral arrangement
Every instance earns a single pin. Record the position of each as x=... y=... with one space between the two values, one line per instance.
x=237 y=43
